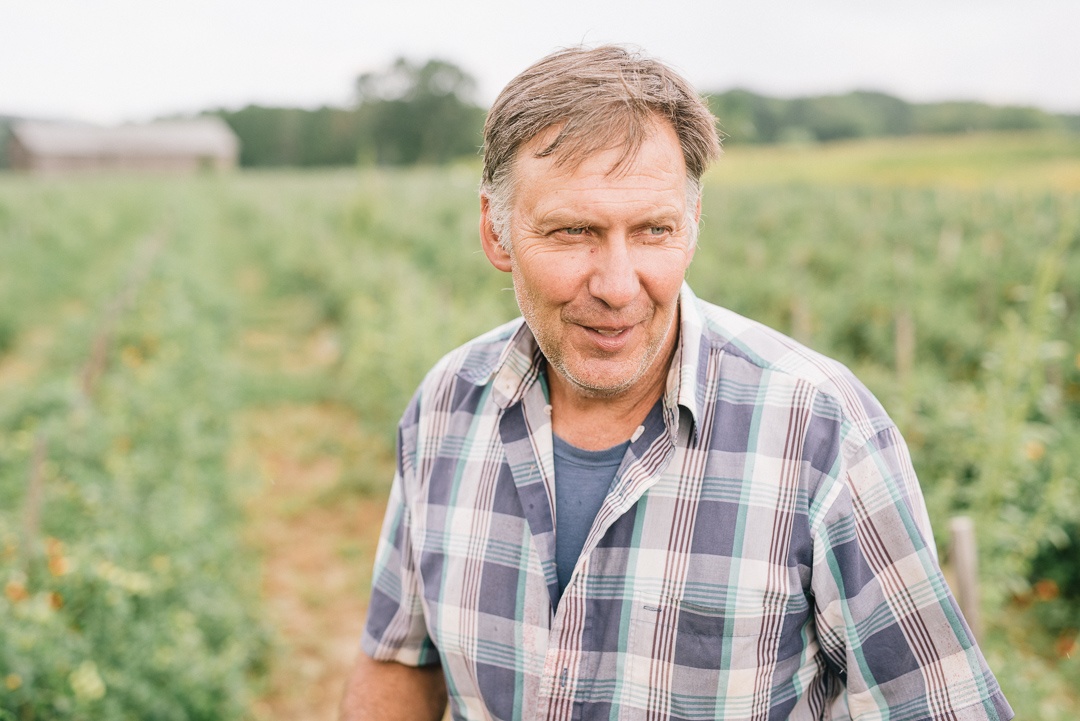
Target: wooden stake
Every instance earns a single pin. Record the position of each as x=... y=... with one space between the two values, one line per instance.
x=34 y=493
x=802 y=322
x=99 y=351
x=904 y=341
x=963 y=556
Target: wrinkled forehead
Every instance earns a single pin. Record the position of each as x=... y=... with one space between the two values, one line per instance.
x=570 y=143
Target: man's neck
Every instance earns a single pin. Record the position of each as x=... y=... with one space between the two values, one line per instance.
x=595 y=423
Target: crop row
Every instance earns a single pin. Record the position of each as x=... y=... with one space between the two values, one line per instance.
x=138 y=319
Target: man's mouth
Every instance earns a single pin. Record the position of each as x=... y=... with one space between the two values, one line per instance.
x=609 y=333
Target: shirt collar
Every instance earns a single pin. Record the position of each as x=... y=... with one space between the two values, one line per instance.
x=518 y=367
x=687 y=375
x=521 y=362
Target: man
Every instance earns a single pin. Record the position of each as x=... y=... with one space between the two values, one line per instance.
x=633 y=504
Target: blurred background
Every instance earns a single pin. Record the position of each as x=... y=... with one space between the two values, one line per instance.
x=235 y=235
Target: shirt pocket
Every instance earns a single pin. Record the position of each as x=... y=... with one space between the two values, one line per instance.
x=690 y=653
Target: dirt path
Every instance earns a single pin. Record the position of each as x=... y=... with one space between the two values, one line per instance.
x=317 y=544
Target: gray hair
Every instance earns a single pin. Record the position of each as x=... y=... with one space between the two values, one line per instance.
x=601 y=98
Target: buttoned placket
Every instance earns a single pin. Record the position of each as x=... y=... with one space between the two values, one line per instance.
x=524 y=403
x=561 y=685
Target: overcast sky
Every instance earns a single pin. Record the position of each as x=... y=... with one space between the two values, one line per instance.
x=116 y=60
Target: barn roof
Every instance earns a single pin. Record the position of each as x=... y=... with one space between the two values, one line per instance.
x=200 y=136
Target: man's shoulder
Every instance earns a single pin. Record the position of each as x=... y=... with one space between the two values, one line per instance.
x=766 y=347
x=780 y=357
x=476 y=360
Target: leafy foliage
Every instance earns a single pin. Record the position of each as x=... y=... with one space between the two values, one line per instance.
x=125 y=592
x=418 y=114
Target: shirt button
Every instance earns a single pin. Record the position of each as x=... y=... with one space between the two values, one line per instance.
x=563 y=676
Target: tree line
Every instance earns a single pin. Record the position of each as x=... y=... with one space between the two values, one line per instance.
x=412 y=113
x=424 y=113
x=746 y=117
x=406 y=114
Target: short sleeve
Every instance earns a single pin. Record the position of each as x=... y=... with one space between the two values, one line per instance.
x=886 y=620
x=395 y=628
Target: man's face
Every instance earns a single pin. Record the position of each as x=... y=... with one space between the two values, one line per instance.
x=598 y=258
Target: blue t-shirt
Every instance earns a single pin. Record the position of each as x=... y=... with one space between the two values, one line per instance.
x=582 y=480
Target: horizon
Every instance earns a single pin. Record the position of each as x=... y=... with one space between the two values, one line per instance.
x=126 y=60
x=7 y=117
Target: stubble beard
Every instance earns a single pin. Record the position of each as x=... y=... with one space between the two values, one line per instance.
x=553 y=349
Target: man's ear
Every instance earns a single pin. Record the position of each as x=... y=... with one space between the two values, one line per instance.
x=496 y=254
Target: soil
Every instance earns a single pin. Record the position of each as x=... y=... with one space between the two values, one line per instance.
x=317 y=542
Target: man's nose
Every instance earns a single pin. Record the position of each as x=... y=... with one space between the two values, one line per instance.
x=614 y=277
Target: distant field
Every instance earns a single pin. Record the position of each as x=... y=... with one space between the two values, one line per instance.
x=168 y=346
x=1014 y=161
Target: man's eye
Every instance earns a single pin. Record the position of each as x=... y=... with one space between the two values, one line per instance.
x=574 y=231
x=657 y=230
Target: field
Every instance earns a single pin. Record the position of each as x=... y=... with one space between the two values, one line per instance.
x=200 y=379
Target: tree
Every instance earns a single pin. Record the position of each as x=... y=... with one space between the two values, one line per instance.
x=411 y=113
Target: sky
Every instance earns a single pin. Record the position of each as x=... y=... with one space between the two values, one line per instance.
x=111 y=61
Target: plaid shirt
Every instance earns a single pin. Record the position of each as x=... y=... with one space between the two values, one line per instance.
x=765 y=555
